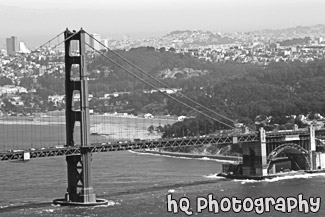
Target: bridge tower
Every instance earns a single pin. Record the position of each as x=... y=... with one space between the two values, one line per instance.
x=312 y=148
x=255 y=156
x=80 y=191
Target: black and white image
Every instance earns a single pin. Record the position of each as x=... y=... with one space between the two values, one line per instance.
x=162 y=108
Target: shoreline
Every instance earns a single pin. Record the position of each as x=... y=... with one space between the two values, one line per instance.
x=270 y=176
x=190 y=155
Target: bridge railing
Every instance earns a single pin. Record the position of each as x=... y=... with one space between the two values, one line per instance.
x=127 y=145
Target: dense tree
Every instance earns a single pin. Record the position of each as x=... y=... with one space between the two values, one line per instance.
x=27 y=82
x=5 y=81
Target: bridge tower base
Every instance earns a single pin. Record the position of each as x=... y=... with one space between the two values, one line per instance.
x=254 y=157
x=80 y=191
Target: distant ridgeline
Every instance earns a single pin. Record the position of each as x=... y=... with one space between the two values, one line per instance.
x=194 y=38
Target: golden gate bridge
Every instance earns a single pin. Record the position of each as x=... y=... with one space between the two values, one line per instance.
x=259 y=147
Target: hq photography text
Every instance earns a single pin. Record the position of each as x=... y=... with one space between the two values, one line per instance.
x=236 y=205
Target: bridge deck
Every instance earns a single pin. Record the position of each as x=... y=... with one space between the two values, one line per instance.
x=122 y=146
x=271 y=137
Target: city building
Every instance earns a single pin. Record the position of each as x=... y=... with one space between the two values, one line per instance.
x=23 y=48
x=12 y=45
x=11 y=89
x=93 y=43
x=3 y=52
x=56 y=99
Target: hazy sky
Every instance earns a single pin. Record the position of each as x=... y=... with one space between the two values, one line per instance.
x=36 y=18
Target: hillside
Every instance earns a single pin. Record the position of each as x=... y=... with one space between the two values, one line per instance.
x=160 y=63
x=239 y=91
x=187 y=39
x=293 y=32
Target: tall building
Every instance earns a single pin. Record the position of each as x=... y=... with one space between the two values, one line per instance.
x=23 y=48
x=93 y=43
x=12 y=45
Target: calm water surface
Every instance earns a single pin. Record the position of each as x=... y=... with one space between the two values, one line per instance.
x=137 y=185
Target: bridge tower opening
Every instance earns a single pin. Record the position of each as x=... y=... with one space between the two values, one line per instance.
x=80 y=191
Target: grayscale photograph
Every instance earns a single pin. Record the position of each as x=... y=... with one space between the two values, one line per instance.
x=152 y=108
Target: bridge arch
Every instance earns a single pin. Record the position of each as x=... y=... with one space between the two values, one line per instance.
x=292 y=152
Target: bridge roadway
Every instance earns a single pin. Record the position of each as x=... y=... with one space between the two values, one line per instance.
x=149 y=144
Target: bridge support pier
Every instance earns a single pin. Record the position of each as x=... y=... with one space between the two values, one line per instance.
x=80 y=191
x=312 y=148
x=79 y=177
x=254 y=157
